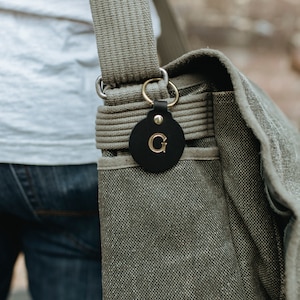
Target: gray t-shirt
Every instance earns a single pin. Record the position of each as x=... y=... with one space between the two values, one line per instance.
x=49 y=64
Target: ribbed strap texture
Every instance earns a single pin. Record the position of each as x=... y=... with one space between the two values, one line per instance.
x=114 y=123
x=125 y=41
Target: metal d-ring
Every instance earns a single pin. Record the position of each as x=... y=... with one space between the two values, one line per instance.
x=100 y=87
x=168 y=82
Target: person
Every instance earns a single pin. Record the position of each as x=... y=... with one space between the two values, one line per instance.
x=48 y=175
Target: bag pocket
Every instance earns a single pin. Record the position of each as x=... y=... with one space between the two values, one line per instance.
x=167 y=236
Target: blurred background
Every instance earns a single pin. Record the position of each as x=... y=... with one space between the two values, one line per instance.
x=261 y=37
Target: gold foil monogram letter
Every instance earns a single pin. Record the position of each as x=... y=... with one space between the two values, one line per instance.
x=164 y=143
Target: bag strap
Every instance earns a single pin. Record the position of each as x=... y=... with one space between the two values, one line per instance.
x=172 y=42
x=125 y=41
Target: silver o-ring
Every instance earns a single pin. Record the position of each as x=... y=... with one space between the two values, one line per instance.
x=100 y=87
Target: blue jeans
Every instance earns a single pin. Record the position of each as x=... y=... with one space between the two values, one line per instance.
x=51 y=215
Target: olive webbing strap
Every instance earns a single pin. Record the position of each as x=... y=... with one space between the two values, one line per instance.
x=125 y=41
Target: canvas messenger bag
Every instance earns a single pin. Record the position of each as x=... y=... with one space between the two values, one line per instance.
x=199 y=183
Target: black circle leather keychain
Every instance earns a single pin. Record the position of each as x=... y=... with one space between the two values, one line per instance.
x=157 y=142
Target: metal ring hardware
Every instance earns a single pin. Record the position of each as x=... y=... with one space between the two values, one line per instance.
x=100 y=87
x=165 y=76
x=170 y=104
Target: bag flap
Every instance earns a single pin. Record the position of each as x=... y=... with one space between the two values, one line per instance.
x=279 y=140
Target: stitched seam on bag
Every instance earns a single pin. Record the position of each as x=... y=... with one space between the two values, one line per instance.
x=126 y=161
